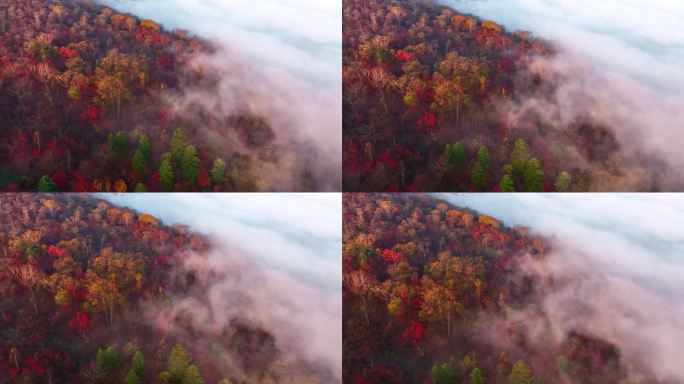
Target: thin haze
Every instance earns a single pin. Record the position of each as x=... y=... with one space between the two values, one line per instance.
x=623 y=258
x=279 y=251
x=289 y=57
x=622 y=61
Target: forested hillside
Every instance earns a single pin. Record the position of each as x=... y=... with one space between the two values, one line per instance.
x=95 y=100
x=94 y=293
x=435 y=293
x=435 y=100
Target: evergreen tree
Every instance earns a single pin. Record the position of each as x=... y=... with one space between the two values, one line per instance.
x=142 y=155
x=506 y=184
x=519 y=156
x=46 y=184
x=137 y=371
x=455 y=156
x=563 y=182
x=118 y=144
x=520 y=374
x=192 y=376
x=443 y=374
x=483 y=158
x=178 y=362
x=533 y=176
x=106 y=361
x=478 y=176
x=177 y=145
x=218 y=171
x=476 y=377
x=166 y=177
x=179 y=370
x=190 y=164
x=140 y=187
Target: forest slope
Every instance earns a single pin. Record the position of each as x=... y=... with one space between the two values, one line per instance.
x=95 y=100
x=437 y=293
x=435 y=100
x=94 y=293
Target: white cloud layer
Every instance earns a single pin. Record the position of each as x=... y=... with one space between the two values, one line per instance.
x=623 y=62
x=289 y=59
x=280 y=253
x=623 y=258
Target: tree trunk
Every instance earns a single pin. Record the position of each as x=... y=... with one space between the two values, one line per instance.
x=365 y=309
x=118 y=108
x=449 y=324
x=33 y=296
x=458 y=111
x=47 y=88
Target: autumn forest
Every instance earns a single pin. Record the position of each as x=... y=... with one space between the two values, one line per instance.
x=341 y=191
x=95 y=293
x=437 y=100
x=96 y=100
x=442 y=294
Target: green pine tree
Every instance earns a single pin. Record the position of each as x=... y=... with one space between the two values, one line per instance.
x=520 y=374
x=137 y=372
x=142 y=155
x=478 y=176
x=106 y=361
x=190 y=164
x=520 y=156
x=533 y=176
x=166 y=177
x=192 y=376
x=46 y=184
x=177 y=145
x=476 y=376
x=563 y=182
x=218 y=171
x=140 y=187
x=455 y=157
x=483 y=157
x=443 y=374
x=178 y=362
x=506 y=184
x=118 y=144
x=179 y=369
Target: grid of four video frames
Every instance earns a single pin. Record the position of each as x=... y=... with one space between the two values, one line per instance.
x=341 y=191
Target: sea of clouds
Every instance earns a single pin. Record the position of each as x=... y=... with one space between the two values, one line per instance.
x=621 y=61
x=621 y=258
x=278 y=256
x=281 y=59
